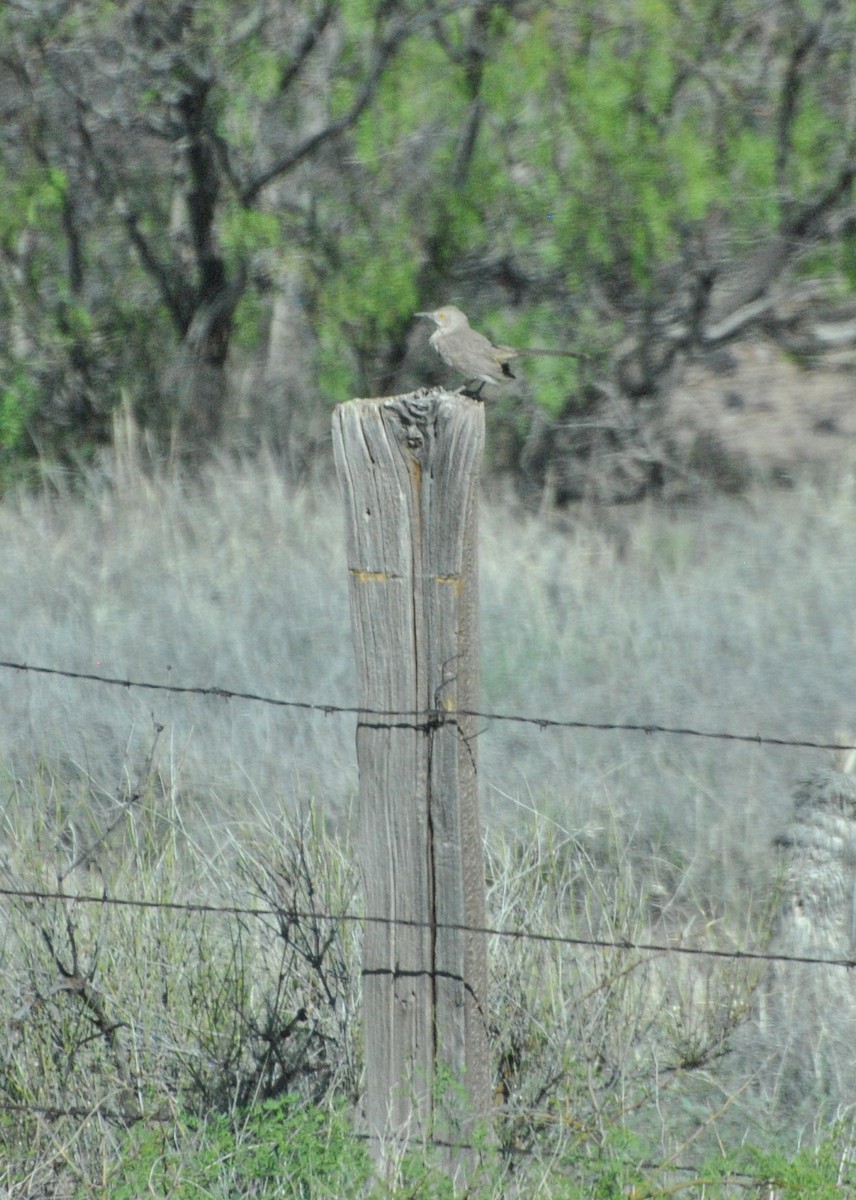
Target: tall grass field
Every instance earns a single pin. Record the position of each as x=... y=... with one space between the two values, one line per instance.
x=168 y=1051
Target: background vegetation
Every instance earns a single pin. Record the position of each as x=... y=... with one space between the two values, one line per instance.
x=226 y=213
x=188 y=1045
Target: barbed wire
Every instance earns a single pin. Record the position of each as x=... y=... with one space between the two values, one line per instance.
x=420 y=720
x=35 y=894
x=425 y=720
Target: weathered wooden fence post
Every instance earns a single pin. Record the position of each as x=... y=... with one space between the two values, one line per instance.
x=408 y=469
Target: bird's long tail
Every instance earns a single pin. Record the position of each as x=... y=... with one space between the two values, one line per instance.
x=549 y=353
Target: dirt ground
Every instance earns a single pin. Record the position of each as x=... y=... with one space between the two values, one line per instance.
x=768 y=413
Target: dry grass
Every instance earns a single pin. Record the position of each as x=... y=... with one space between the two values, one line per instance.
x=738 y=617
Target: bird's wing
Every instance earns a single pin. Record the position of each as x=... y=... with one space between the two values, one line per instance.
x=471 y=353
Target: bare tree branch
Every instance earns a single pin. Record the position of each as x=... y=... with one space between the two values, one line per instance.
x=287 y=162
x=807 y=220
x=792 y=86
x=176 y=296
x=307 y=44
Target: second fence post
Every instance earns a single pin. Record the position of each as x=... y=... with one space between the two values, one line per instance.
x=408 y=469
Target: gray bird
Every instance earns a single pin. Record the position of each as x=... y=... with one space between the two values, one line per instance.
x=473 y=355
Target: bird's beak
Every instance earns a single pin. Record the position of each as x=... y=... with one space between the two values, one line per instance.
x=422 y=314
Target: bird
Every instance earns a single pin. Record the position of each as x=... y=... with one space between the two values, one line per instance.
x=473 y=355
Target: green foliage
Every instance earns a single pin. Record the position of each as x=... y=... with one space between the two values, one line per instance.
x=360 y=304
x=554 y=381
x=31 y=200
x=623 y=146
x=816 y=140
x=258 y=68
x=249 y=321
x=378 y=284
x=244 y=232
x=279 y=1148
x=18 y=400
x=401 y=108
x=845 y=259
x=625 y=161
x=750 y=166
x=813 y=1173
x=337 y=373
x=567 y=152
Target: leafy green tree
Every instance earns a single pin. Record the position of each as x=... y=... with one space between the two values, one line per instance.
x=142 y=157
x=650 y=180
x=208 y=205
